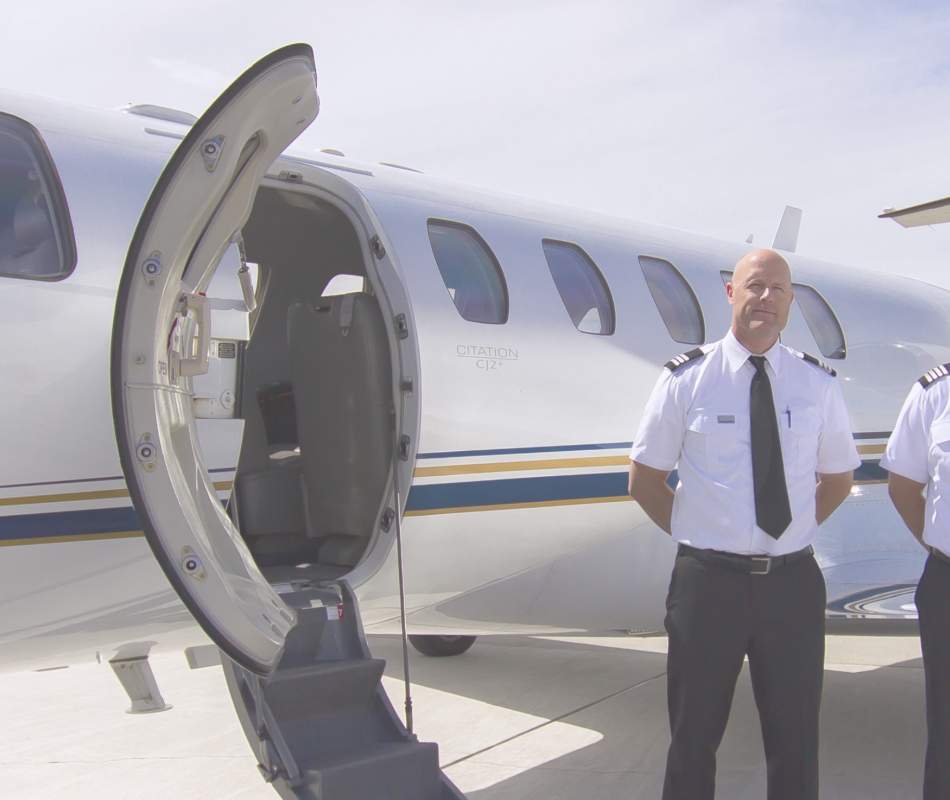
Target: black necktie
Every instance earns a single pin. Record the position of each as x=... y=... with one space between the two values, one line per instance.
x=772 y=513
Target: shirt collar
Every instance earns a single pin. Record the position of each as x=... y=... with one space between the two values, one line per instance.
x=736 y=355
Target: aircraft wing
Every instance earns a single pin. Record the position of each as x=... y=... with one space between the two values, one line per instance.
x=932 y=213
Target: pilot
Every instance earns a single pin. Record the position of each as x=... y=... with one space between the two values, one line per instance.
x=918 y=458
x=748 y=423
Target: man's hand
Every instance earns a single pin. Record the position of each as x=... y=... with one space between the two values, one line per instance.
x=831 y=491
x=649 y=488
x=908 y=499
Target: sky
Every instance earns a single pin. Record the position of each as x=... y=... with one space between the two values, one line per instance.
x=704 y=116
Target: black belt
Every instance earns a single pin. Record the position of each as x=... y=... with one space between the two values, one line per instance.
x=754 y=565
x=939 y=554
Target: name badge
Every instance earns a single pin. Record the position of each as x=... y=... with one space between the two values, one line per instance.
x=726 y=419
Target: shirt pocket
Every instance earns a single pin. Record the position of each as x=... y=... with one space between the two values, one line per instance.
x=940 y=449
x=717 y=442
x=801 y=430
x=940 y=437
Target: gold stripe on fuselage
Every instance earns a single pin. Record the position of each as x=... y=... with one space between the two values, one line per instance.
x=67 y=497
x=79 y=537
x=522 y=466
x=73 y=497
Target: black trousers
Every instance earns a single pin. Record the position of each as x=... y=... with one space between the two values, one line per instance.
x=933 y=610
x=717 y=615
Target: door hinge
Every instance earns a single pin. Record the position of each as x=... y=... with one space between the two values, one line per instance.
x=211 y=152
x=402 y=326
x=152 y=267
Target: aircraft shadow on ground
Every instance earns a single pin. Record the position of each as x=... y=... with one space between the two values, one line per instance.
x=608 y=730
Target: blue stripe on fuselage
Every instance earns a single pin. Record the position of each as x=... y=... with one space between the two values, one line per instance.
x=422 y=497
x=428 y=497
x=69 y=523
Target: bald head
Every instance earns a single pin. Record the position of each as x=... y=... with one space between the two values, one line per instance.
x=762 y=259
x=760 y=293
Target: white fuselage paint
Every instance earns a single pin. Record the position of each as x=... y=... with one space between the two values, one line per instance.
x=531 y=399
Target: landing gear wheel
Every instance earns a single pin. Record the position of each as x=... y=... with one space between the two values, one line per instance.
x=439 y=646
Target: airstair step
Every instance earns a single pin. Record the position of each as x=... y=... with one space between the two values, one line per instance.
x=322 y=725
x=391 y=771
x=304 y=640
x=324 y=688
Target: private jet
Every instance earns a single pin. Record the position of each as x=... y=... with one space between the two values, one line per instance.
x=263 y=400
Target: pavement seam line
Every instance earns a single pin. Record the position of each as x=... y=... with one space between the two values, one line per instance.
x=563 y=716
x=115 y=760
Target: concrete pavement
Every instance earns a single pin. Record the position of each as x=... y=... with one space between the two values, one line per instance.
x=566 y=718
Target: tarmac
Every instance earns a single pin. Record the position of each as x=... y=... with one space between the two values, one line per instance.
x=558 y=718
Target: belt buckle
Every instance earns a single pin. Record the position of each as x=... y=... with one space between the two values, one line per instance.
x=768 y=565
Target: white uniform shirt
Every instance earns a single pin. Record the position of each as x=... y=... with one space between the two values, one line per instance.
x=697 y=420
x=919 y=449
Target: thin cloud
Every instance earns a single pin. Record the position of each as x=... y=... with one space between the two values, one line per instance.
x=189 y=73
x=707 y=117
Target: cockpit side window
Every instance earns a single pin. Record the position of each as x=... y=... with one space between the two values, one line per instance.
x=470 y=271
x=581 y=286
x=36 y=239
x=821 y=320
x=675 y=300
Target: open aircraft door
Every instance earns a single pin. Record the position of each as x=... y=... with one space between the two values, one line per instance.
x=305 y=687
x=160 y=339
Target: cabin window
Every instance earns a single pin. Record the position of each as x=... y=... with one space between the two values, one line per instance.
x=36 y=238
x=470 y=271
x=821 y=321
x=582 y=288
x=675 y=300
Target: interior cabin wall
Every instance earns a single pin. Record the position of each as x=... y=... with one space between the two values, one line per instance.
x=300 y=243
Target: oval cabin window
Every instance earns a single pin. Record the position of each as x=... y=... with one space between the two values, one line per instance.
x=582 y=287
x=675 y=300
x=821 y=321
x=470 y=271
x=36 y=238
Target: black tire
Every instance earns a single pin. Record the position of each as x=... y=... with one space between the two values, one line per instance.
x=441 y=646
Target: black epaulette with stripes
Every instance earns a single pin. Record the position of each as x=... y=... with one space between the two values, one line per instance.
x=934 y=375
x=816 y=362
x=683 y=359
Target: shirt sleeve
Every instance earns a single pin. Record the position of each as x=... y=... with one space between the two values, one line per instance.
x=908 y=446
x=659 y=438
x=836 y=449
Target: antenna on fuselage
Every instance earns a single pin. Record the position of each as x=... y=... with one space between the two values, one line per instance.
x=786 y=236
